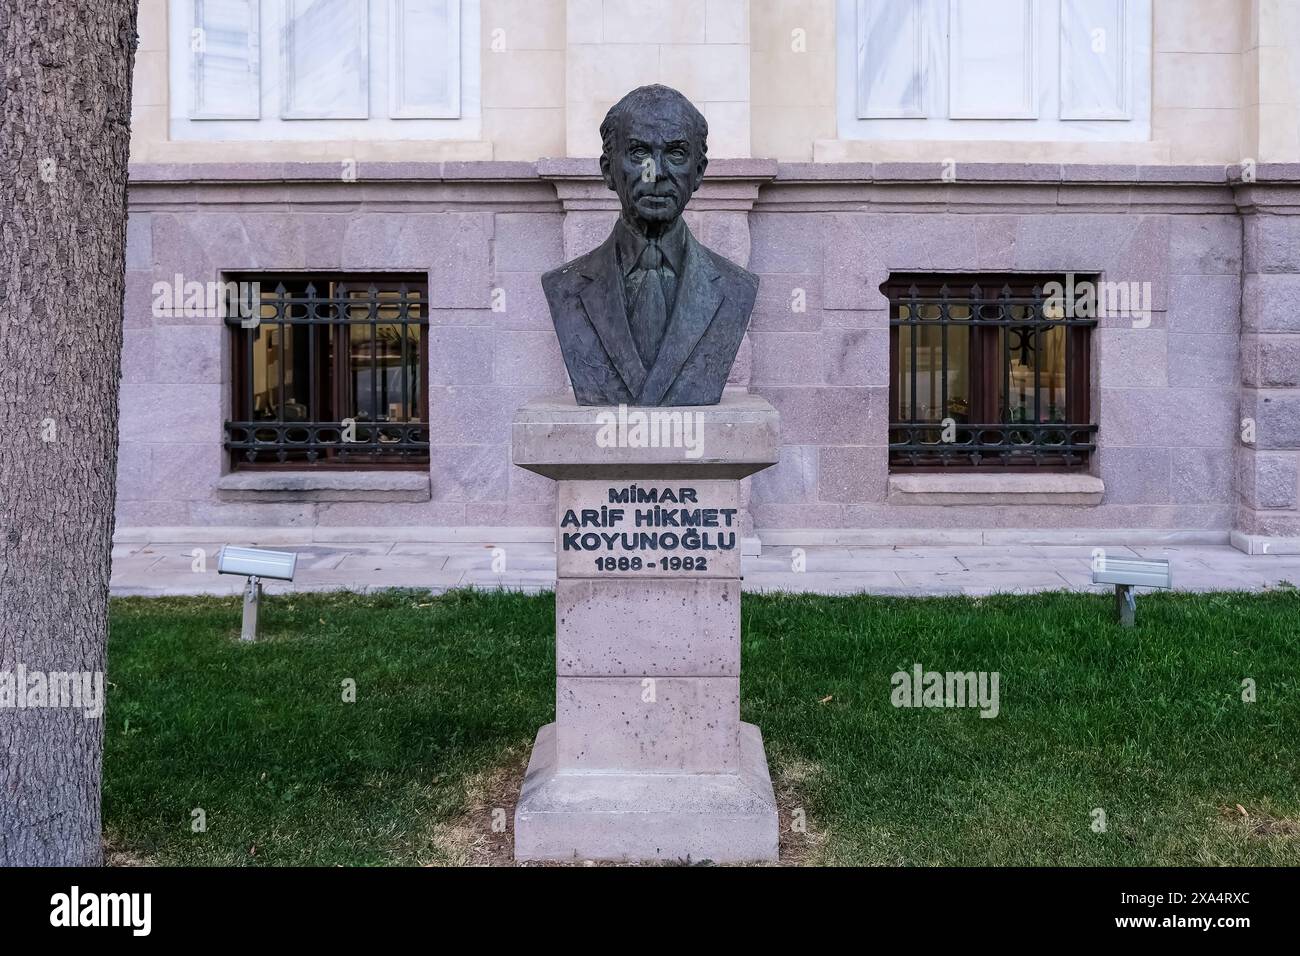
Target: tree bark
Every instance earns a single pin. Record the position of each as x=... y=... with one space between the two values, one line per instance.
x=65 y=108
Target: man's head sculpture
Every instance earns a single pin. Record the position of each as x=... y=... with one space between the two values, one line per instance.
x=654 y=130
x=651 y=317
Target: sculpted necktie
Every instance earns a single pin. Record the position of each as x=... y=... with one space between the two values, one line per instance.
x=650 y=312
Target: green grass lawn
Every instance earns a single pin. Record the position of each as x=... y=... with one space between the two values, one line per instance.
x=1148 y=725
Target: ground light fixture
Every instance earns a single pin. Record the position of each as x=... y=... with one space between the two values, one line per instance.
x=256 y=563
x=1127 y=575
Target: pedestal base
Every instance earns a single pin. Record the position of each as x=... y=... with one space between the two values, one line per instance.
x=648 y=759
x=642 y=817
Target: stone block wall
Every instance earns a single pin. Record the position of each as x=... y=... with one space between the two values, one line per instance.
x=477 y=240
x=1268 y=456
x=1164 y=389
x=700 y=47
x=1169 y=392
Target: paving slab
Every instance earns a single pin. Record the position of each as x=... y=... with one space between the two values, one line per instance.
x=827 y=583
x=376 y=581
x=993 y=582
x=482 y=563
x=382 y=564
x=906 y=561
x=352 y=547
x=1065 y=552
x=165 y=568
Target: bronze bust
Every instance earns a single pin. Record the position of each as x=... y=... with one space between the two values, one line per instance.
x=651 y=316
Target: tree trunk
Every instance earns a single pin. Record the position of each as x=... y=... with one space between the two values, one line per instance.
x=65 y=109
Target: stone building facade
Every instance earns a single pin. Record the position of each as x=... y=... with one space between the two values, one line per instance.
x=857 y=148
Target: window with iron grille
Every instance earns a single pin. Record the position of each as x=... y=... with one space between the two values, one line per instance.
x=987 y=372
x=329 y=371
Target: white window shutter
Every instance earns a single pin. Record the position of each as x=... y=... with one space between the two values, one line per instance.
x=891 y=55
x=992 y=72
x=225 y=71
x=325 y=59
x=1096 y=68
x=424 y=59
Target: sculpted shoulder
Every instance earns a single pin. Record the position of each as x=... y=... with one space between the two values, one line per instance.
x=734 y=275
x=567 y=277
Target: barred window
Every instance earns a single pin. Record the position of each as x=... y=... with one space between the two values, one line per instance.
x=987 y=372
x=329 y=371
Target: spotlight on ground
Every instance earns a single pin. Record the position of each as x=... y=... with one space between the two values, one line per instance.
x=256 y=563
x=1127 y=575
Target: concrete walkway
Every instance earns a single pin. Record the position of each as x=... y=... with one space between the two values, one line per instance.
x=156 y=569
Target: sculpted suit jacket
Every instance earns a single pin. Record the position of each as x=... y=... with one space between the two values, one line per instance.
x=588 y=306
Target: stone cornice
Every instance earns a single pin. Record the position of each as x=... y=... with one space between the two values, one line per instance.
x=1007 y=174
x=579 y=168
x=737 y=184
x=260 y=172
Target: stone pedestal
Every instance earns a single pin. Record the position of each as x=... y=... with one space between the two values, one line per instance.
x=647 y=758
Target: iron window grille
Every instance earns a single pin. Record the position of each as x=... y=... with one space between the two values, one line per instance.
x=330 y=371
x=987 y=372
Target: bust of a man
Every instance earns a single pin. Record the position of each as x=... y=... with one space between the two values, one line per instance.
x=651 y=317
